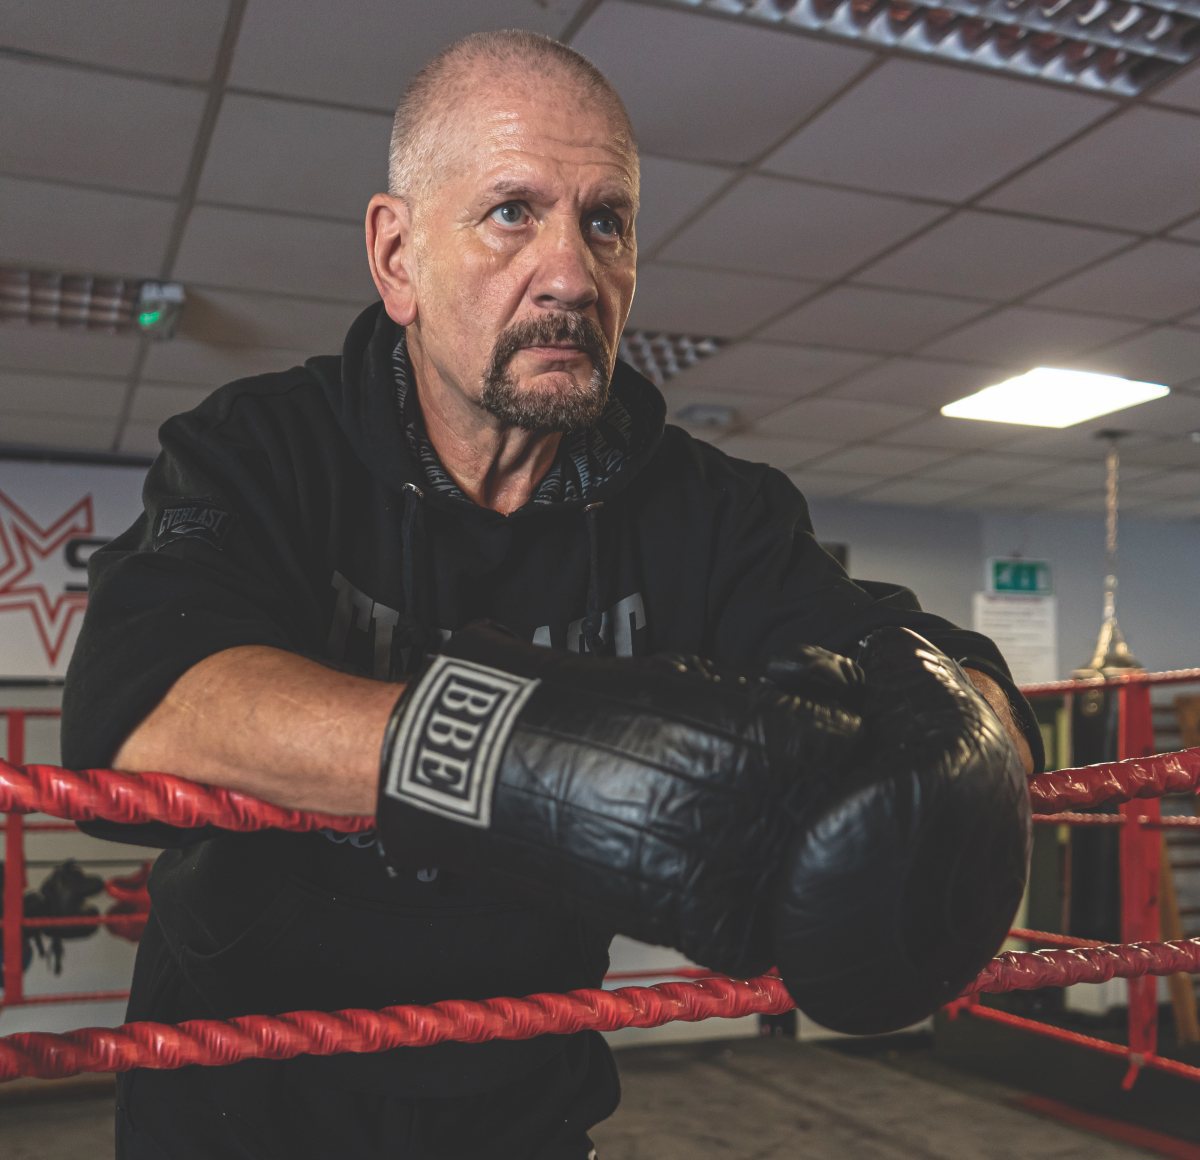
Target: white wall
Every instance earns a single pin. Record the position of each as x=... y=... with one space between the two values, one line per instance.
x=941 y=554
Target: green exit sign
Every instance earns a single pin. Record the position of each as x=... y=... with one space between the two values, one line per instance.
x=1019 y=576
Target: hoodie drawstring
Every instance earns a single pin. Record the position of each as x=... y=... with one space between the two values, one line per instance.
x=414 y=618
x=593 y=622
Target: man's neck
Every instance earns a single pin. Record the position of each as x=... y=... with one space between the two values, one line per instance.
x=497 y=467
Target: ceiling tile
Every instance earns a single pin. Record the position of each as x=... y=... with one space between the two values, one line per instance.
x=1081 y=442
x=772 y=225
x=1085 y=476
x=246 y=249
x=781 y=453
x=749 y=406
x=991 y=256
x=708 y=89
x=56 y=348
x=842 y=420
x=954 y=434
x=914 y=491
x=1189 y=230
x=184 y=361
x=72 y=124
x=58 y=227
x=1164 y=355
x=868 y=319
x=1175 y=450
x=1021 y=497
x=56 y=432
x=830 y=483
x=916 y=382
x=771 y=368
x=688 y=301
x=882 y=460
x=986 y=468
x=289 y=155
x=1139 y=171
x=65 y=395
x=1018 y=336
x=934 y=131
x=1180 y=509
x=1183 y=91
x=1155 y=280
x=317 y=49
x=1181 y=484
x=1077 y=503
x=139 y=439
x=230 y=318
x=174 y=38
x=671 y=192
x=154 y=403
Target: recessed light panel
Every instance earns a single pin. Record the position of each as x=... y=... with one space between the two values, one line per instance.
x=1048 y=397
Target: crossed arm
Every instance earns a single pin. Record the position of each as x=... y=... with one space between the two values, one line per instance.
x=290 y=730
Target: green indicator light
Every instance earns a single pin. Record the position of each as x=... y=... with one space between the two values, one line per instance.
x=149 y=317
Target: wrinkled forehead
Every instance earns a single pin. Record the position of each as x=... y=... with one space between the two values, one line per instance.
x=497 y=123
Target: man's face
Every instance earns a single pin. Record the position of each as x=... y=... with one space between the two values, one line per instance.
x=523 y=256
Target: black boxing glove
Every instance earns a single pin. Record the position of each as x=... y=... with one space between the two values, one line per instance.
x=907 y=866
x=649 y=793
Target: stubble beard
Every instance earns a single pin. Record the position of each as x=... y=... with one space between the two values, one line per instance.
x=562 y=410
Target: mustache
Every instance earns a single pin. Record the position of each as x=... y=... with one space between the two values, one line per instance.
x=575 y=329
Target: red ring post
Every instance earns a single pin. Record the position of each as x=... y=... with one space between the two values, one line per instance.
x=14 y=872
x=1140 y=854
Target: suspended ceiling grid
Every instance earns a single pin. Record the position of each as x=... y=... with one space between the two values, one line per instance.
x=869 y=232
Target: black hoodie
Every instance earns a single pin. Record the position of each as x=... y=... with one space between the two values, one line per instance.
x=305 y=510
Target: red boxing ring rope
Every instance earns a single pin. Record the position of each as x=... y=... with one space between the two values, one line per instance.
x=159 y=797
x=1116 y=781
x=222 y=1042
x=105 y=794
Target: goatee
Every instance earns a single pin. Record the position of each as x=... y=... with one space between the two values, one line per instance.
x=548 y=411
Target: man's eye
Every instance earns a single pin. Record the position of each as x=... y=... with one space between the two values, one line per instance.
x=511 y=213
x=606 y=225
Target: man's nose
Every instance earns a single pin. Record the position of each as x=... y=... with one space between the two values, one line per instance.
x=565 y=277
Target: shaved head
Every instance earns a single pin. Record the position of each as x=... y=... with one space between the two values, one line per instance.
x=485 y=64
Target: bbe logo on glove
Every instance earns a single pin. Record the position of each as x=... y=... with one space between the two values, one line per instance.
x=450 y=737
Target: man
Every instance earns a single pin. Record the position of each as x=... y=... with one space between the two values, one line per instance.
x=310 y=538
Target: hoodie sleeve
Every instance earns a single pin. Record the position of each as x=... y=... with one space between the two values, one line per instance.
x=209 y=565
x=775 y=587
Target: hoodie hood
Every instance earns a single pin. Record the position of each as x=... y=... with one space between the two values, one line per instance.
x=370 y=390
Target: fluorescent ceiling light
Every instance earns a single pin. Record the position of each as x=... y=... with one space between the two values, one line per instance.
x=1048 y=397
x=1113 y=46
x=89 y=302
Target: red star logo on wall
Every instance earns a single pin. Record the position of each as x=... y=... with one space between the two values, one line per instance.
x=24 y=544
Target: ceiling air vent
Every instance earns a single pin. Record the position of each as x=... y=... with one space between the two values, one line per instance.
x=1104 y=45
x=661 y=356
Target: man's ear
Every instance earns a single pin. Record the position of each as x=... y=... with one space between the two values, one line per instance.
x=389 y=250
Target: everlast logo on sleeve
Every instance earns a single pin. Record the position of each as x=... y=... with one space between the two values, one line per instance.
x=197 y=519
x=450 y=738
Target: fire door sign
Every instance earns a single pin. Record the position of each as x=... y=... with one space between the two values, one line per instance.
x=1016 y=576
x=53 y=516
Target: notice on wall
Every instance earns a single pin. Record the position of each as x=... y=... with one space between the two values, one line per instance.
x=1024 y=629
x=53 y=516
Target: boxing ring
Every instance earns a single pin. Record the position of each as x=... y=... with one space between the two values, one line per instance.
x=1136 y=781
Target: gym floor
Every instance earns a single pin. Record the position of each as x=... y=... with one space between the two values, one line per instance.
x=744 y=1099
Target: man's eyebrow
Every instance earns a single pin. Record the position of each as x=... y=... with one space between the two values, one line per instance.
x=615 y=197
x=514 y=189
